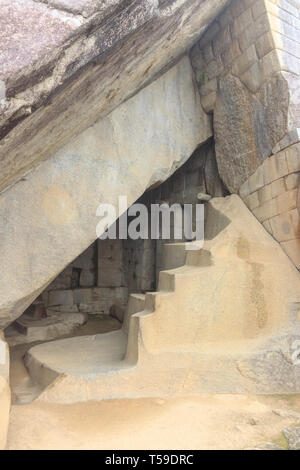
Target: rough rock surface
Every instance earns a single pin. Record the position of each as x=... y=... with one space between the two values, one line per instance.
x=248 y=126
x=49 y=218
x=293 y=437
x=69 y=63
x=236 y=148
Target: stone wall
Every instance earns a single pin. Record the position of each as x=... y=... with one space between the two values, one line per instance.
x=271 y=193
x=247 y=68
x=197 y=178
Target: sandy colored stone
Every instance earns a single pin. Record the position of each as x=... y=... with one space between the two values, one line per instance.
x=287 y=201
x=252 y=200
x=265 y=194
x=4 y=411
x=266 y=210
x=292 y=249
x=278 y=187
x=293 y=158
x=245 y=61
x=286 y=226
x=256 y=181
x=265 y=43
x=275 y=167
x=253 y=77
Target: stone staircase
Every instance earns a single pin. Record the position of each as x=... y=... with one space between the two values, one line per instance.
x=223 y=322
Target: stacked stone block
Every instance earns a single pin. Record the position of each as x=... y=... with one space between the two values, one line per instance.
x=272 y=194
x=252 y=40
x=247 y=66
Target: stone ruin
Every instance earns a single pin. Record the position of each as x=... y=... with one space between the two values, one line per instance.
x=158 y=101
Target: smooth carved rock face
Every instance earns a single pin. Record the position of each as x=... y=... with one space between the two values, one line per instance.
x=49 y=218
x=80 y=64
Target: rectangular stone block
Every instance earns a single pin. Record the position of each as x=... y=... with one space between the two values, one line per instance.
x=110 y=277
x=293 y=158
x=292 y=181
x=258 y=9
x=87 y=278
x=243 y=21
x=256 y=181
x=244 y=189
x=252 y=33
x=82 y=296
x=278 y=187
x=288 y=62
x=286 y=44
x=252 y=200
x=286 y=226
x=60 y=297
x=270 y=64
x=284 y=15
x=245 y=61
x=291 y=138
x=276 y=24
x=287 y=6
x=267 y=226
x=265 y=44
x=264 y=194
x=110 y=249
x=275 y=167
x=237 y=7
x=266 y=211
x=222 y=41
x=287 y=201
x=292 y=249
x=231 y=53
x=253 y=78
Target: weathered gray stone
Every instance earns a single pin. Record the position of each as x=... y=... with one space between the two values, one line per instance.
x=236 y=148
x=87 y=278
x=78 y=70
x=50 y=218
x=266 y=446
x=272 y=113
x=293 y=437
x=84 y=7
x=291 y=138
x=248 y=126
x=291 y=414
